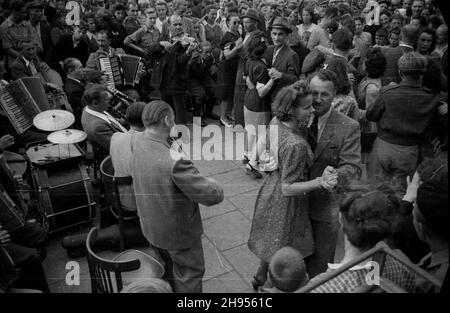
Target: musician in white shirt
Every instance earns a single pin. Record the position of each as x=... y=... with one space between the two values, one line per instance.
x=121 y=153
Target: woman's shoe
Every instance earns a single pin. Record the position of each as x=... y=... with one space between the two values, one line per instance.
x=254 y=172
x=245 y=159
x=225 y=122
x=256 y=283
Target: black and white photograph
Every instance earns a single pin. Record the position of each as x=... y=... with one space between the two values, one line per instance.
x=239 y=148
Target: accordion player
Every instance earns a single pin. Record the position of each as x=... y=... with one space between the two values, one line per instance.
x=122 y=70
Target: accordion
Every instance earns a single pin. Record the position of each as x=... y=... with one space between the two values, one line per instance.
x=22 y=100
x=122 y=70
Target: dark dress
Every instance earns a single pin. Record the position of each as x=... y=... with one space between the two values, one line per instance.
x=258 y=72
x=226 y=79
x=280 y=221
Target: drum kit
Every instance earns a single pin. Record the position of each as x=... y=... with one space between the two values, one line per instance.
x=58 y=173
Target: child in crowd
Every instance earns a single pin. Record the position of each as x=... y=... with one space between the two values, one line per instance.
x=287 y=271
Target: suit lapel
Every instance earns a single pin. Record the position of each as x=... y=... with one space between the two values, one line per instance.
x=280 y=57
x=327 y=134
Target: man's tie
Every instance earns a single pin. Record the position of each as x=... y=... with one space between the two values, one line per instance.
x=312 y=133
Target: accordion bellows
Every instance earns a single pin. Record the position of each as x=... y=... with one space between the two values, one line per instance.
x=122 y=70
x=22 y=100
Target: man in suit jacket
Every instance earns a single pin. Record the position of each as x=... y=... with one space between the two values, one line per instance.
x=281 y=59
x=69 y=46
x=169 y=74
x=98 y=125
x=74 y=87
x=335 y=140
x=29 y=64
x=409 y=37
x=168 y=192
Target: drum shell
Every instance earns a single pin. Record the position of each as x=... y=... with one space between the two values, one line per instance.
x=64 y=193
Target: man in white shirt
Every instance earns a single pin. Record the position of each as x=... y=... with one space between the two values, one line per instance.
x=122 y=153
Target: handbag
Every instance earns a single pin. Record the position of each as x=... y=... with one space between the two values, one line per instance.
x=267 y=160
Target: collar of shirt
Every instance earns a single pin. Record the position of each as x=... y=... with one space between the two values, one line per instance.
x=27 y=63
x=97 y=114
x=90 y=35
x=11 y=23
x=75 y=80
x=106 y=117
x=339 y=55
x=406 y=46
x=153 y=137
x=438 y=258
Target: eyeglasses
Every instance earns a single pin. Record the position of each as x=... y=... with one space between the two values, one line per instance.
x=177 y=24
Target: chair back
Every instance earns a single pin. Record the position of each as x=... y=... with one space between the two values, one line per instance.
x=378 y=254
x=106 y=275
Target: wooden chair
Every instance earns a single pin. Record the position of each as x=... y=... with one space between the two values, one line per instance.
x=377 y=254
x=106 y=275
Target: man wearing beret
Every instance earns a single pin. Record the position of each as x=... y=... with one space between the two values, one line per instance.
x=403 y=114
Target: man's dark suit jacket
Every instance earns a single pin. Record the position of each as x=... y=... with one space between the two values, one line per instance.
x=64 y=49
x=392 y=56
x=287 y=63
x=170 y=69
x=46 y=40
x=20 y=70
x=74 y=91
x=99 y=133
x=338 y=146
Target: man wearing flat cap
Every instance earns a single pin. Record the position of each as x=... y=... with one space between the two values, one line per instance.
x=283 y=63
x=403 y=113
x=41 y=28
x=14 y=30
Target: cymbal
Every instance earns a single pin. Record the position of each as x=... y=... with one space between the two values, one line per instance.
x=67 y=136
x=53 y=120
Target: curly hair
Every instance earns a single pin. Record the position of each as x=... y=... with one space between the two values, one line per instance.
x=289 y=98
x=375 y=63
x=369 y=215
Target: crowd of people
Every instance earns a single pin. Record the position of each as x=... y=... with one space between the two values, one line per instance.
x=357 y=91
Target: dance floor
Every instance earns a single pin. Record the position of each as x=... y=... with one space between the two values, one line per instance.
x=230 y=265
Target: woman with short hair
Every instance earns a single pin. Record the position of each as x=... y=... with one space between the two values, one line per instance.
x=367 y=216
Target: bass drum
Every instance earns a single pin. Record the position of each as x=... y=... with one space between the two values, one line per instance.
x=65 y=194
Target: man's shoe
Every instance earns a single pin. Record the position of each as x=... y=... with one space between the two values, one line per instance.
x=213 y=116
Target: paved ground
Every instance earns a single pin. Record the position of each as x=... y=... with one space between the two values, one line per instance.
x=229 y=263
